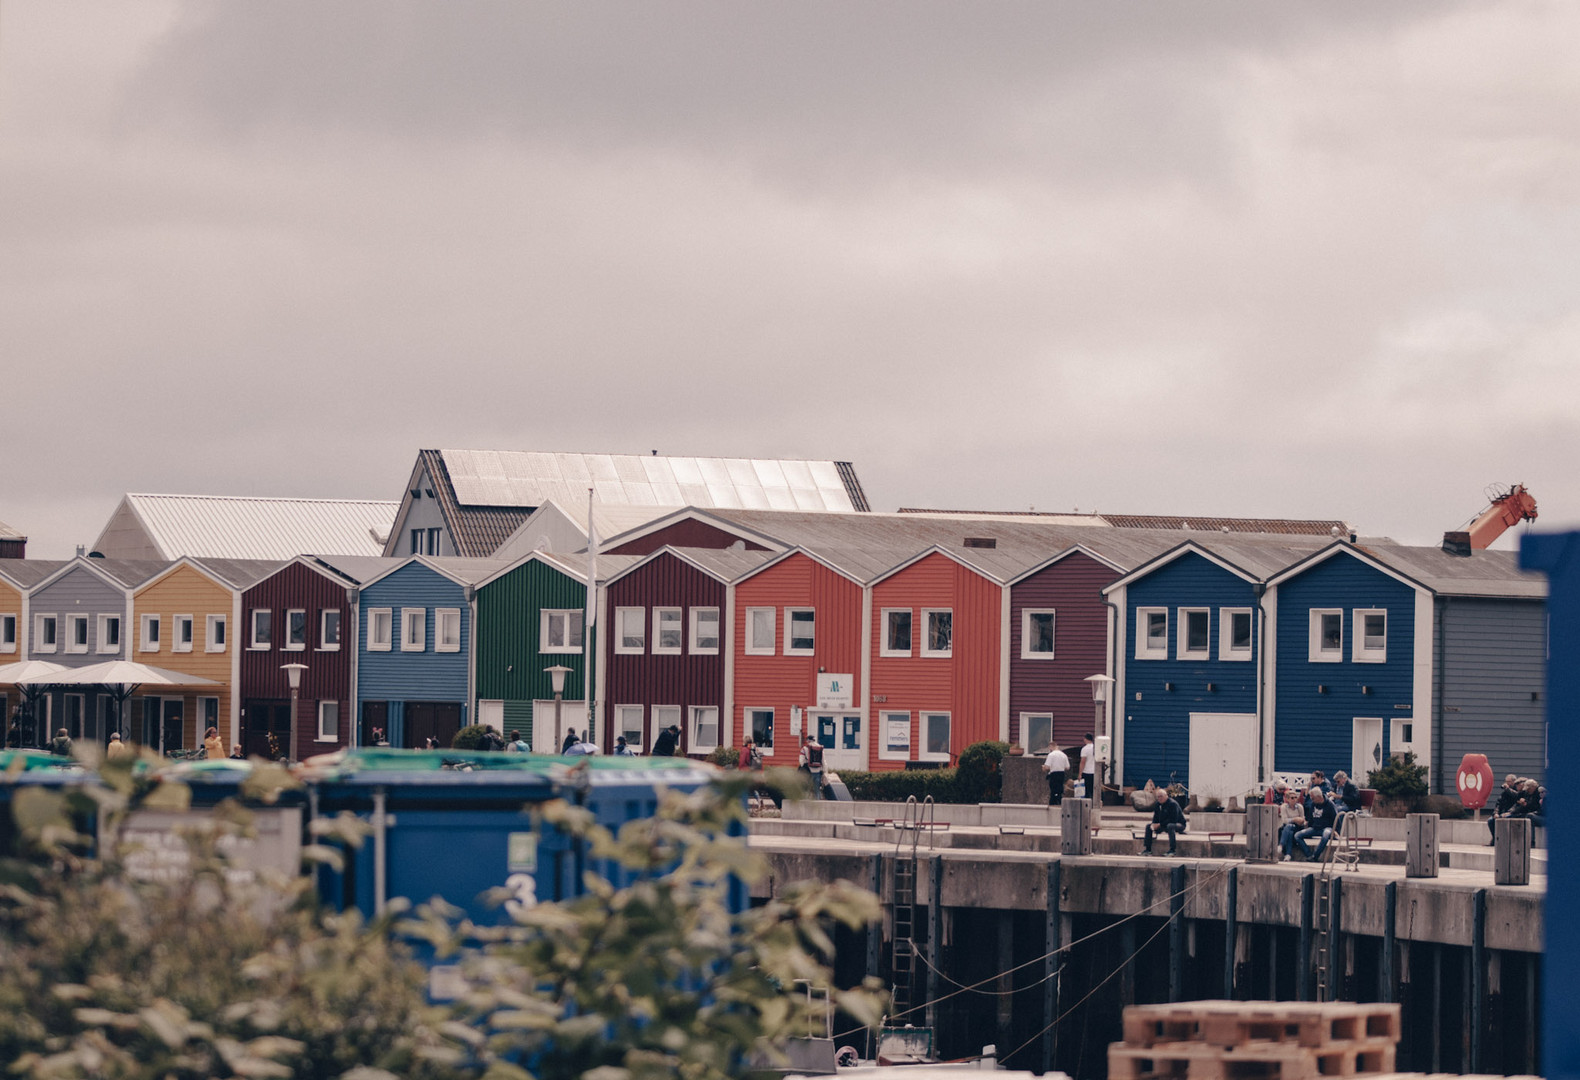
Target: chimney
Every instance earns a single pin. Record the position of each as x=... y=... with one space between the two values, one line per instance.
x=1457 y=543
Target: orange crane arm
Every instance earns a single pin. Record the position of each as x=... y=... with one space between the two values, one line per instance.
x=1505 y=512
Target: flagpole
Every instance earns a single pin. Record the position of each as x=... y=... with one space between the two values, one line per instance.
x=589 y=625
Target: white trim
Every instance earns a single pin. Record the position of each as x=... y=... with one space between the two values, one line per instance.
x=660 y=649
x=620 y=648
x=384 y=642
x=324 y=645
x=927 y=632
x=883 y=632
x=294 y=646
x=334 y=708
x=773 y=632
x=749 y=731
x=1077 y=549
x=1335 y=548
x=146 y=642
x=866 y=673
x=727 y=643
x=252 y=629
x=1145 y=650
x=694 y=645
x=1025 y=741
x=621 y=729
x=1025 y=633
x=698 y=745
x=1114 y=623
x=1189 y=547
x=884 y=753
x=200 y=717
x=176 y=622
x=10 y=620
x=922 y=716
x=1003 y=663
x=1315 y=652
x=38 y=645
x=1360 y=652
x=1226 y=646
x=1182 y=649
x=413 y=619
x=1267 y=676
x=546 y=618
x=74 y=620
x=441 y=616
x=790 y=613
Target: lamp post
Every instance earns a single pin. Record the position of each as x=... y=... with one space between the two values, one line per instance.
x=557 y=675
x=293 y=675
x=1100 y=746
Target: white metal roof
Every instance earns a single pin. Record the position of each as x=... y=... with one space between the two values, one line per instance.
x=8 y=533
x=244 y=527
x=524 y=478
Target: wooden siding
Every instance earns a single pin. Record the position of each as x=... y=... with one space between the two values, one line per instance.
x=1157 y=722
x=1072 y=587
x=647 y=680
x=510 y=667
x=187 y=591
x=79 y=591
x=1492 y=674
x=687 y=533
x=427 y=676
x=1316 y=730
x=328 y=674
x=964 y=684
x=781 y=682
x=11 y=604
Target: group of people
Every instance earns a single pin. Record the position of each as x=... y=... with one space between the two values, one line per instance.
x=1057 y=767
x=1312 y=811
x=1521 y=797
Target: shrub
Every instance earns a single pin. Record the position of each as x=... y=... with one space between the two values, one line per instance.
x=471 y=738
x=1401 y=779
x=895 y=785
x=725 y=757
x=980 y=775
x=1446 y=807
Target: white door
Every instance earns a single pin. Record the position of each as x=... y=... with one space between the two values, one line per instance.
x=1367 y=753
x=844 y=739
x=492 y=713
x=1222 y=755
x=573 y=714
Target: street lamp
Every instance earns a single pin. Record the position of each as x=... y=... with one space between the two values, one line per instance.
x=1100 y=747
x=293 y=675
x=557 y=675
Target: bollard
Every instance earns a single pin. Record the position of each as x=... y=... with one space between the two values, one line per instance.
x=1261 y=833
x=1075 y=827
x=1420 y=845
x=1511 y=851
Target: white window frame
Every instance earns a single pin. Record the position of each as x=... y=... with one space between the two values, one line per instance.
x=697 y=744
x=381 y=618
x=176 y=623
x=697 y=648
x=413 y=617
x=9 y=631
x=790 y=614
x=442 y=618
x=546 y=617
x=294 y=646
x=145 y=642
x=884 y=649
x=621 y=616
x=1227 y=650
x=333 y=708
x=887 y=717
x=923 y=717
x=1183 y=650
x=752 y=646
x=1316 y=653
x=1145 y=650
x=104 y=645
x=749 y=727
x=1026 y=651
x=72 y=622
x=1362 y=654
x=927 y=614
x=324 y=645
x=663 y=717
x=211 y=642
x=622 y=725
x=252 y=629
x=1025 y=740
x=659 y=648
x=38 y=644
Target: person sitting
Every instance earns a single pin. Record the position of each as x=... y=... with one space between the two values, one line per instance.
x=60 y=745
x=1346 y=797
x=1292 y=818
x=1319 y=779
x=1538 y=814
x=1274 y=795
x=1166 y=817
x=1506 y=800
x=1321 y=819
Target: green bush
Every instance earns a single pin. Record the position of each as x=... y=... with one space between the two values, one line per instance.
x=980 y=775
x=1400 y=780
x=725 y=757
x=470 y=738
x=1446 y=807
x=895 y=785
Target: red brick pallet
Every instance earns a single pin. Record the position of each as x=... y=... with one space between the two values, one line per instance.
x=1233 y=1023
x=1259 y=1060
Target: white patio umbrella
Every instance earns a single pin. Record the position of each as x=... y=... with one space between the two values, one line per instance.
x=14 y=674
x=122 y=678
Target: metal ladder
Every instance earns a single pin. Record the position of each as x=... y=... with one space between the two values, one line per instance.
x=902 y=901
x=1349 y=849
x=1324 y=920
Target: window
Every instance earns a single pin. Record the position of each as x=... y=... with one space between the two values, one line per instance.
x=664 y=718
x=295 y=630
x=560 y=630
x=666 y=630
x=704 y=728
x=182 y=641
x=214 y=633
x=1327 y=636
x=109 y=633
x=44 y=633
x=1371 y=635
x=433 y=541
x=1152 y=634
x=628 y=722
x=1195 y=634
x=705 y=630
x=72 y=721
x=760 y=724
x=261 y=628
x=800 y=631
x=148 y=635
x=896 y=632
x=328 y=629
x=630 y=628
x=379 y=626
x=760 y=636
x=1036 y=732
x=1234 y=633
x=208 y=713
x=935 y=736
x=939 y=626
x=328 y=721
x=413 y=629
x=76 y=633
x=8 y=633
x=896 y=744
x=447 y=626
x=1036 y=634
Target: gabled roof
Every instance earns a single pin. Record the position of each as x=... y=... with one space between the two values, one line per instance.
x=1078 y=549
x=1182 y=522
x=462 y=571
x=573 y=565
x=235 y=574
x=1483 y=573
x=26 y=573
x=245 y=527
x=935 y=550
x=1334 y=550
x=722 y=564
x=775 y=558
x=355 y=569
x=610 y=520
x=117 y=573
x=1189 y=547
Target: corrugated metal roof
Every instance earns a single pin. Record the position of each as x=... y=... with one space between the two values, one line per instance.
x=468 y=570
x=1181 y=522
x=608 y=565
x=245 y=527
x=8 y=533
x=240 y=573
x=25 y=573
x=516 y=478
x=1482 y=573
x=129 y=572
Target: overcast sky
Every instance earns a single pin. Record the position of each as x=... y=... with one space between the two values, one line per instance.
x=1308 y=260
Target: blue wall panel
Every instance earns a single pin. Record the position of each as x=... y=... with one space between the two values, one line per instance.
x=413 y=676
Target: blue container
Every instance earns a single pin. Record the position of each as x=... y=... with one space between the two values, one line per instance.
x=36 y=768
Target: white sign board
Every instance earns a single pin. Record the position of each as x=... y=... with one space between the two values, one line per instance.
x=834 y=691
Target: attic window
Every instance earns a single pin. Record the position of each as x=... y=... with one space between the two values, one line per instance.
x=416 y=493
x=981 y=542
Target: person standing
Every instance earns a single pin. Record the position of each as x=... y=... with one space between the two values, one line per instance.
x=213 y=745
x=117 y=749
x=664 y=745
x=1056 y=765
x=1089 y=767
x=812 y=762
x=621 y=749
x=61 y=744
x=516 y=745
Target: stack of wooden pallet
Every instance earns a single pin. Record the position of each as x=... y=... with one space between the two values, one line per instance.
x=1255 y=1040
